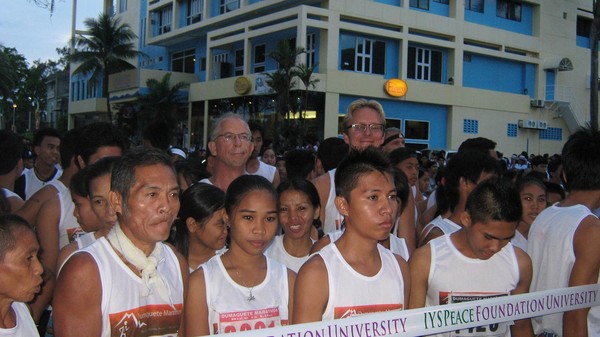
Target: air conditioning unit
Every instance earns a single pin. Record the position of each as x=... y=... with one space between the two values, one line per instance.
x=542 y=125
x=536 y=103
x=527 y=123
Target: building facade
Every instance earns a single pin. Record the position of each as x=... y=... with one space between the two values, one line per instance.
x=517 y=72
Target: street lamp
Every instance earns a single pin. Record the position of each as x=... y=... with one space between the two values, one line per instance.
x=14 y=127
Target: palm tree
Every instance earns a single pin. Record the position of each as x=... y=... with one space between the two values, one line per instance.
x=103 y=50
x=304 y=73
x=162 y=99
x=8 y=78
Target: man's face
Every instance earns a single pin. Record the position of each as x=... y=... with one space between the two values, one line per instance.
x=362 y=139
x=20 y=270
x=372 y=207
x=486 y=239
x=235 y=151
x=540 y=168
x=99 y=191
x=257 y=140
x=410 y=167
x=152 y=206
x=86 y=218
x=48 y=151
x=394 y=144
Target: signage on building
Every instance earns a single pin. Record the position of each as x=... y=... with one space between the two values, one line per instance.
x=241 y=85
x=396 y=87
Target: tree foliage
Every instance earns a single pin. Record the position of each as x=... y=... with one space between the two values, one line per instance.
x=162 y=100
x=104 y=50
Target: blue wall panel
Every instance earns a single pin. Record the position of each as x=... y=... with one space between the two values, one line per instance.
x=485 y=72
x=489 y=18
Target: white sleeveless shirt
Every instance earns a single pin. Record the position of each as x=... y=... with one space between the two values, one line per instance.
x=25 y=326
x=229 y=309
x=123 y=309
x=333 y=218
x=397 y=245
x=550 y=245
x=351 y=293
x=277 y=252
x=454 y=278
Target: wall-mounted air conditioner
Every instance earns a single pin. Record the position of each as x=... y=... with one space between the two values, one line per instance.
x=527 y=123
x=537 y=103
x=542 y=125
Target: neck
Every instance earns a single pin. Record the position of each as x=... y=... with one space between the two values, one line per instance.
x=8 y=317
x=460 y=207
x=224 y=175
x=590 y=199
x=43 y=170
x=297 y=247
x=252 y=165
x=199 y=253
x=523 y=228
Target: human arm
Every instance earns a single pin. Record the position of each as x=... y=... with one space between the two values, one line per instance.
x=291 y=283
x=311 y=291
x=15 y=203
x=31 y=207
x=419 y=264
x=185 y=276
x=585 y=271
x=522 y=327
x=322 y=184
x=405 y=270
x=276 y=179
x=435 y=232
x=195 y=309
x=317 y=246
x=77 y=298
x=406 y=228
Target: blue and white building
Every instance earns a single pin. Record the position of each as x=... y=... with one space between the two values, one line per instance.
x=517 y=72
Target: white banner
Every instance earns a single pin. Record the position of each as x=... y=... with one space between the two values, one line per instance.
x=431 y=320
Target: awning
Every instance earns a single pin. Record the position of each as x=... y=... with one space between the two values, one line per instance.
x=558 y=63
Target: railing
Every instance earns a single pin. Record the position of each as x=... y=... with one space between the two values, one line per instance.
x=563 y=96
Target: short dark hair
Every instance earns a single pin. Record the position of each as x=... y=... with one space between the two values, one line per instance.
x=158 y=134
x=39 y=135
x=11 y=147
x=402 y=187
x=123 y=174
x=331 y=152
x=243 y=185
x=97 y=135
x=98 y=169
x=78 y=184
x=199 y=202
x=8 y=224
x=554 y=163
x=69 y=147
x=191 y=169
x=554 y=188
x=401 y=154
x=530 y=180
x=299 y=163
x=538 y=160
x=494 y=199
x=581 y=160
x=466 y=164
x=301 y=185
x=254 y=126
x=357 y=164
x=480 y=144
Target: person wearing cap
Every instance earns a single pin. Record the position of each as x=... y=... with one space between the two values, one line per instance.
x=177 y=154
x=522 y=163
x=394 y=139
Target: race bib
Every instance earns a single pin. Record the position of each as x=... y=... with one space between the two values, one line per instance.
x=249 y=320
x=491 y=330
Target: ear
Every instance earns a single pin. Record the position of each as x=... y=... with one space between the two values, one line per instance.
x=465 y=218
x=342 y=205
x=346 y=138
x=212 y=146
x=563 y=176
x=79 y=161
x=317 y=213
x=226 y=219
x=116 y=201
x=191 y=224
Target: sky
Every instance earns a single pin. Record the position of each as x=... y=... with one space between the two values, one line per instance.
x=34 y=33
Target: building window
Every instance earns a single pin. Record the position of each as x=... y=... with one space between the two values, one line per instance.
x=511 y=130
x=424 y=64
x=122 y=6
x=508 y=9
x=474 y=5
x=551 y=134
x=584 y=27
x=165 y=17
x=259 y=58
x=195 y=9
x=470 y=126
x=310 y=49
x=416 y=130
x=363 y=55
x=226 y=6
x=445 y=2
x=142 y=39
x=184 y=61
x=239 y=62
x=421 y=4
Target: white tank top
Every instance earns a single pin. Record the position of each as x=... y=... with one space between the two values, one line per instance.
x=277 y=252
x=229 y=309
x=265 y=170
x=34 y=184
x=519 y=241
x=447 y=226
x=123 y=309
x=550 y=245
x=333 y=218
x=85 y=240
x=25 y=326
x=455 y=278
x=10 y=194
x=68 y=227
x=351 y=293
x=397 y=245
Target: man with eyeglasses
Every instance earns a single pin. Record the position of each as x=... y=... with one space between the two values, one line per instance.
x=231 y=145
x=362 y=127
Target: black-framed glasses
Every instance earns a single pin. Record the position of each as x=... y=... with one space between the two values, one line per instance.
x=230 y=136
x=374 y=128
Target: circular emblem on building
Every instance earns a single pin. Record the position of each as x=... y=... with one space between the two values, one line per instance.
x=396 y=87
x=241 y=85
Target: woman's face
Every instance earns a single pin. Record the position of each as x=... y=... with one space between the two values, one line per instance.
x=424 y=182
x=20 y=270
x=268 y=157
x=213 y=233
x=533 y=200
x=296 y=213
x=253 y=222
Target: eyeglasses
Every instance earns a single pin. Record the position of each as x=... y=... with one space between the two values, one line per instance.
x=230 y=137
x=375 y=128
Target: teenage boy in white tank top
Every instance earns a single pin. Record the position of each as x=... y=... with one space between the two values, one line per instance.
x=354 y=275
x=478 y=261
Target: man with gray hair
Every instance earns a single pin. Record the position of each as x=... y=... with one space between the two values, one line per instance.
x=129 y=282
x=231 y=145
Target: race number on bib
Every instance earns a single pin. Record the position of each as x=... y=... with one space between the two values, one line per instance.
x=249 y=320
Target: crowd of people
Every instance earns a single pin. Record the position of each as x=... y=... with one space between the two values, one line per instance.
x=100 y=238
